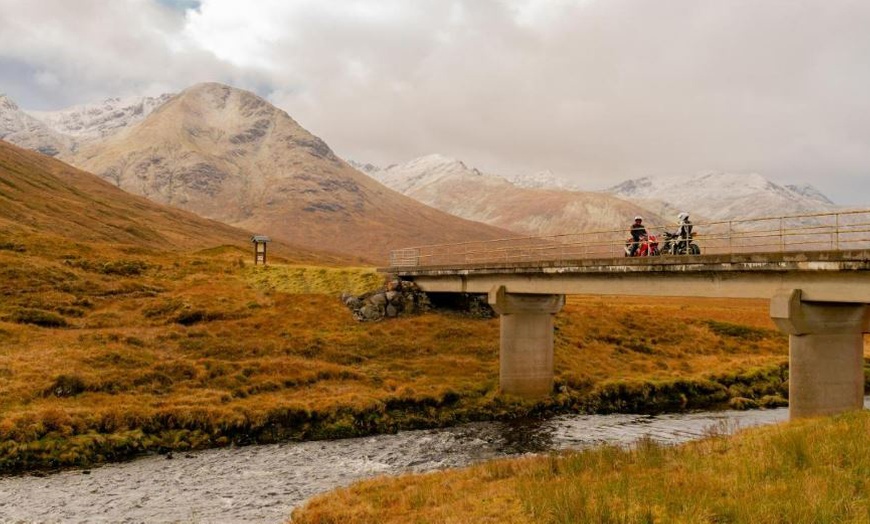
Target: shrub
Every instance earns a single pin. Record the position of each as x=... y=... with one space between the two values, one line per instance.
x=124 y=267
x=113 y=267
x=737 y=331
x=9 y=246
x=66 y=386
x=190 y=317
x=38 y=317
x=163 y=308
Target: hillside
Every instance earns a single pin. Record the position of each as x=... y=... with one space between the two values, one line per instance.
x=725 y=196
x=170 y=339
x=52 y=206
x=229 y=155
x=451 y=186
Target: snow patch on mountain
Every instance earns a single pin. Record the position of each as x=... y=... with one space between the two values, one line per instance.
x=722 y=196
x=810 y=192
x=423 y=172
x=450 y=185
x=23 y=130
x=100 y=120
x=545 y=179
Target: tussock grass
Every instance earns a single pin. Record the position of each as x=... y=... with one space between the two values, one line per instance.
x=158 y=350
x=314 y=279
x=813 y=471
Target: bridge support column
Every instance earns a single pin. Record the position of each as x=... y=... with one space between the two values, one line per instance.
x=526 y=351
x=826 y=353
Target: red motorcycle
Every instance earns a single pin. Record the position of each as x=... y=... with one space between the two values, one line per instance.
x=647 y=246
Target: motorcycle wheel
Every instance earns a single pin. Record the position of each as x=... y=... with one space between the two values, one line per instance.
x=694 y=249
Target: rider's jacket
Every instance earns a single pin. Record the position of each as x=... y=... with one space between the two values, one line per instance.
x=637 y=231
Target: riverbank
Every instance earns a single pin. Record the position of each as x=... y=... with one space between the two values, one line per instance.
x=111 y=354
x=262 y=484
x=802 y=472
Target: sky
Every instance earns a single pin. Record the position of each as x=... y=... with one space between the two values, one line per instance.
x=596 y=91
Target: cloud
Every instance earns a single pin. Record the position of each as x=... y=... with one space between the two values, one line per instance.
x=596 y=90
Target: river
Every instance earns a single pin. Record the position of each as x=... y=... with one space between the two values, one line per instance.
x=264 y=483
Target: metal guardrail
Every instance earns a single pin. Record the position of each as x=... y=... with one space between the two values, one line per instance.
x=835 y=231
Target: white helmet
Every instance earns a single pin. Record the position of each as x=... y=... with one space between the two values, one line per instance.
x=639 y=218
x=682 y=217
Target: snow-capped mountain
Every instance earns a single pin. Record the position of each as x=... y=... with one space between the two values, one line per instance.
x=101 y=120
x=452 y=186
x=810 y=192
x=21 y=129
x=227 y=154
x=545 y=179
x=426 y=171
x=363 y=166
x=725 y=196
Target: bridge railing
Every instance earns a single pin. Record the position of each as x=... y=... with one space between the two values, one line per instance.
x=834 y=231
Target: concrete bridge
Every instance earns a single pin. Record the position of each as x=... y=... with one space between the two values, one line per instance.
x=815 y=269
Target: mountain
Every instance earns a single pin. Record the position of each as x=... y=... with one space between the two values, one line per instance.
x=450 y=185
x=19 y=128
x=725 y=196
x=229 y=155
x=97 y=121
x=810 y=192
x=543 y=180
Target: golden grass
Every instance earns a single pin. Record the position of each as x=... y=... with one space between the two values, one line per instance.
x=104 y=353
x=115 y=338
x=813 y=471
x=300 y=279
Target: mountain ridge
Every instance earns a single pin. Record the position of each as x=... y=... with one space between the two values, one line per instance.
x=452 y=186
x=229 y=155
x=100 y=120
x=22 y=129
x=725 y=196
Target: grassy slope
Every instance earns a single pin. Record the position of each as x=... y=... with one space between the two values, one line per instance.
x=58 y=210
x=117 y=338
x=813 y=471
x=107 y=354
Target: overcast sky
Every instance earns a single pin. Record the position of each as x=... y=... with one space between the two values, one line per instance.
x=597 y=91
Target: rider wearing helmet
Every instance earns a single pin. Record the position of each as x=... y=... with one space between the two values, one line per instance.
x=637 y=232
x=685 y=231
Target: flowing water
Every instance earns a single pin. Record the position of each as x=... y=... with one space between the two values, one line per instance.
x=264 y=483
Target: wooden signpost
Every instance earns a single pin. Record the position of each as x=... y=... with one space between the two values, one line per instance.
x=260 y=248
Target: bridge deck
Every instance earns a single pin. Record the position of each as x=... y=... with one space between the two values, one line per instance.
x=824 y=276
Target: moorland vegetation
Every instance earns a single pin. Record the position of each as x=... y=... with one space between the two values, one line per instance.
x=127 y=327
x=811 y=471
x=110 y=351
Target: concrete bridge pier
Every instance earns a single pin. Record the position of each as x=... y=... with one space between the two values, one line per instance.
x=826 y=353
x=526 y=350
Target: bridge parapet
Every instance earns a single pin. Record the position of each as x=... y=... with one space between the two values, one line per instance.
x=835 y=231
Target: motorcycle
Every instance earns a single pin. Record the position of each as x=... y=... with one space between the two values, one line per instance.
x=647 y=246
x=674 y=245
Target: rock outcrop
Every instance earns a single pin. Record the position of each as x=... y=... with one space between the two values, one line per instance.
x=403 y=298
x=398 y=298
